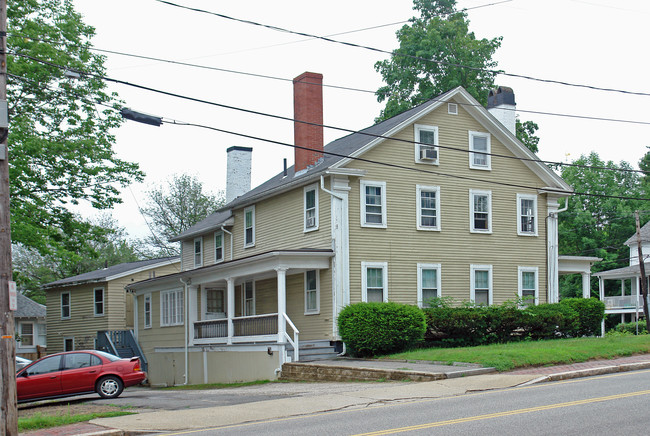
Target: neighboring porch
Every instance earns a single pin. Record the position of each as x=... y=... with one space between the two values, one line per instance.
x=578 y=265
x=623 y=296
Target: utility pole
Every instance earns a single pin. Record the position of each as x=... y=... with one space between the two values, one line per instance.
x=8 y=405
x=644 y=283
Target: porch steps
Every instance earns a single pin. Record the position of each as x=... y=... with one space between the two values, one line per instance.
x=318 y=350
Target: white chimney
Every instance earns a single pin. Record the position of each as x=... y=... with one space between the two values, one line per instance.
x=501 y=104
x=238 y=172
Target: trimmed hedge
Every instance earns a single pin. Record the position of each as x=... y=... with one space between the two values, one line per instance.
x=370 y=329
x=591 y=312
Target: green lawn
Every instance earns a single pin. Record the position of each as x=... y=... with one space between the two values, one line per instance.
x=505 y=357
x=39 y=421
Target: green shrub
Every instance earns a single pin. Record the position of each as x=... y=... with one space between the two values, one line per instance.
x=630 y=327
x=370 y=329
x=591 y=313
x=550 y=321
x=457 y=326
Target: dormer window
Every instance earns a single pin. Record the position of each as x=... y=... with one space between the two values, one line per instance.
x=426 y=144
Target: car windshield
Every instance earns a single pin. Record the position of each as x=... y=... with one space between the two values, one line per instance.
x=109 y=356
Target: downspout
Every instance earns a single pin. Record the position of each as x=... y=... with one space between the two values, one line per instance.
x=322 y=187
x=223 y=229
x=187 y=317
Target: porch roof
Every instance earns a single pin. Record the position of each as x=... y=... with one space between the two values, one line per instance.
x=576 y=264
x=623 y=273
x=292 y=261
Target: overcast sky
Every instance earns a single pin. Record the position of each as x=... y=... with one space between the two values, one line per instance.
x=602 y=43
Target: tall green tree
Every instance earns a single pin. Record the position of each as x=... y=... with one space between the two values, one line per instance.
x=60 y=141
x=526 y=134
x=598 y=226
x=441 y=35
x=174 y=208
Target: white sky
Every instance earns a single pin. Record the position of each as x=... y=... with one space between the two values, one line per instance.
x=595 y=42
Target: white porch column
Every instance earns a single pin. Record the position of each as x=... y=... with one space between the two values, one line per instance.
x=231 y=307
x=192 y=306
x=282 y=302
x=601 y=289
x=135 y=315
x=586 y=285
x=552 y=250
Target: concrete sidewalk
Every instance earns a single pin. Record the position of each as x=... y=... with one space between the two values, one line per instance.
x=458 y=379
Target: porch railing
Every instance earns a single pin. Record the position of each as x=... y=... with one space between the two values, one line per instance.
x=214 y=328
x=623 y=302
x=258 y=325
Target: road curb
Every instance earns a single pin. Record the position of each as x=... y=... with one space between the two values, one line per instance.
x=608 y=369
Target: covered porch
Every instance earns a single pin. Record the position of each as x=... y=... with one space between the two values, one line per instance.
x=627 y=286
x=578 y=265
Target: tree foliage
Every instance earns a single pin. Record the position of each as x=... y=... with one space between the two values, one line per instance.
x=441 y=34
x=526 y=134
x=60 y=140
x=598 y=226
x=174 y=208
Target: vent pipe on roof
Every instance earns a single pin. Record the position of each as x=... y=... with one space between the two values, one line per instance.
x=308 y=107
x=238 y=172
x=501 y=104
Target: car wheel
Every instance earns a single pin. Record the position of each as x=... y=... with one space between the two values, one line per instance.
x=110 y=387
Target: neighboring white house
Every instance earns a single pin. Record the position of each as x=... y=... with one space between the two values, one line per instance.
x=30 y=328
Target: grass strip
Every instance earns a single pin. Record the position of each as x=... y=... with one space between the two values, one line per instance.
x=513 y=355
x=39 y=421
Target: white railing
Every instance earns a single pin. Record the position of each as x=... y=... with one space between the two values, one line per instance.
x=295 y=343
x=623 y=302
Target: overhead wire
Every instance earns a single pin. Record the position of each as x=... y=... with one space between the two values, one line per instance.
x=349 y=131
x=394 y=53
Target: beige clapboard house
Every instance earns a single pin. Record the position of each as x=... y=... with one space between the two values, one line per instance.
x=82 y=305
x=441 y=200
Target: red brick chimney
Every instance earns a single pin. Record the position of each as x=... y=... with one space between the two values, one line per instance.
x=308 y=106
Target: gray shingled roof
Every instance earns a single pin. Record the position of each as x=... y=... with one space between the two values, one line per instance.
x=102 y=274
x=212 y=221
x=645 y=235
x=28 y=308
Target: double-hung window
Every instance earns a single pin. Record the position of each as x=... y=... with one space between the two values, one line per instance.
x=248 y=295
x=171 y=308
x=99 y=301
x=374 y=278
x=215 y=303
x=428 y=283
x=528 y=293
x=426 y=144
x=26 y=334
x=311 y=208
x=373 y=204
x=65 y=305
x=479 y=145
x=428 y=213
x=312 y=291
x=198 y=252
x=481 y=284
x=480 y=205
x=218 y=247
x=527 y=215
x=147 y=311
x=249 y=226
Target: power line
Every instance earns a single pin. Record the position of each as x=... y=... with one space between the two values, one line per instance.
x=349 y=131
x=374 y=49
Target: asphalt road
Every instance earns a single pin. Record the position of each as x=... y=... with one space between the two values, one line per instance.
x=603 y=405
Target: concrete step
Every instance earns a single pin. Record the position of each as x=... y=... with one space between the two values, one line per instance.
x=317 y=350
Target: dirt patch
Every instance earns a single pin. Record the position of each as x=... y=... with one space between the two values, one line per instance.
x=68 y=408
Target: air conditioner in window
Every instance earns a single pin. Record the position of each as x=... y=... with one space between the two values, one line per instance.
x=311 y=222
x=427 y=153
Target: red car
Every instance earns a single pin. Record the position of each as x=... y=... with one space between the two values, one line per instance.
x=78 y=372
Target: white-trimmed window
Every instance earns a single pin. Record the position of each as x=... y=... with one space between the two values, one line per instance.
x=374 y=278
x=26 y=334
x=147 y=311
x=249 y=226
x=65 y=305
x=528 y=285
x=218 y=247
x=428 y=213
x=42 y=334
x=481 y=284
x=311 y=208
x=452 y=108
x=428 y=283
x=215 y=303
x=312 y=292
x=248 y=298
x=198 y=252
x=480 y=211
x=426 y=144
x=171 y=307
x=99 y=301
x=373 y=204
x=526 y=215
x=479 y=145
